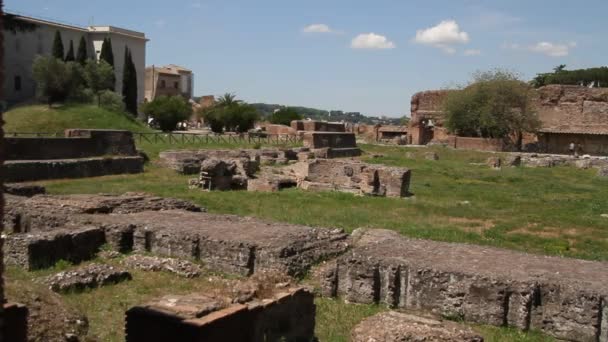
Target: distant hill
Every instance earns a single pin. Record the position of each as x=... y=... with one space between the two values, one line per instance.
x=42 y=119
x=335 y=115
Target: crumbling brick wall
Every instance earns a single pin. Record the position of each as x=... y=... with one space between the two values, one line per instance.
x=573 y=106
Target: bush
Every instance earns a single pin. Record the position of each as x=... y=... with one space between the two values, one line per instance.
x=111 y=101
x=82 y=95
x=53 y=77
x=236 y=117
x=168 y=111
x=285 y=116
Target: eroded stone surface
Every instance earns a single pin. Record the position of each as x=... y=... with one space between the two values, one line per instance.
x=91 y=276
x=223 y=242
x=562 y=297
x=394 y=326
x=24 y=189
x=182 y=268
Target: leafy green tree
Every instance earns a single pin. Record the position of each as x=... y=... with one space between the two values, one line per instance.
x=559 y=68
x=99 y=76
x=82 y=54
x=497 y=104
x=58 y=46
x=285 y=116
x=230 y=114
x=53 y=78
x=129 y=83
x=70 y=55
x=167 y=112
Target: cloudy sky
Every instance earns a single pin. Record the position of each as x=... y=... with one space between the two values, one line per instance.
x=355 y=55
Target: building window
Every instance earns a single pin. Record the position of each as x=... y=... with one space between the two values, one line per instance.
x=163 y=84
x=176 y=85
x=17 y=83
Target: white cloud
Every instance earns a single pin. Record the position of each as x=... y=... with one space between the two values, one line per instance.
x=442 y=36
x=371 y=41
x=317 y=28
x=472 y=52
x=553 y=49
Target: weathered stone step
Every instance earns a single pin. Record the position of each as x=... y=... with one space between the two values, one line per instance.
x=565 y=298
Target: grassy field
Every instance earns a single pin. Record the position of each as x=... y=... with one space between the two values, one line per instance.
x=41 y=118
x=457 y=198
x=553 y=211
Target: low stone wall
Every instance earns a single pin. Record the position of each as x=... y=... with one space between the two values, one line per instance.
x=76 y=144
x=478 y=144
x=285 y=316
x=14 y=327
x=33 y=170
x=565 y=298
x=317 y=126
x=316 y=140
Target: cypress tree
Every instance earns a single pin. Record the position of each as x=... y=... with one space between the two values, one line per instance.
x=70 y=56
x=58 y=46
x=129 y=83
x=82 y=54
x=106 y=51
x=107 y=55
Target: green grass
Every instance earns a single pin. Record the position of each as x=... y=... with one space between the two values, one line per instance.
x=41 y=118
x=554 y=211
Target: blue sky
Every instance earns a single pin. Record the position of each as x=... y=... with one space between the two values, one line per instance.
x=354 y=55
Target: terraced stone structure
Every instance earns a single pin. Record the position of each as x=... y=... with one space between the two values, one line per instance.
x=564 y=298
x=285 y=315
x=80 y=153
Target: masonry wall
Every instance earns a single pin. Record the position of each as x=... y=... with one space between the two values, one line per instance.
x=559 y=143
x=76 y=144
x=317 y=126
x=573 y=107
x=478 y=144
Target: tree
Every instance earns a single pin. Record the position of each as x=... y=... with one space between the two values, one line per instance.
x=168 y=111
x=230 y=114
x=82 y=54
x=285 y=116
x=58 y=46
x=99 y=76
x=129 y=83
x=107 y=55
x=497 y=104
x=559 y=68
x=53 y=78
x=106 y=51
x=70 y=56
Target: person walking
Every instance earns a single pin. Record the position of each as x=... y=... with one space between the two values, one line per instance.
x=572 y=148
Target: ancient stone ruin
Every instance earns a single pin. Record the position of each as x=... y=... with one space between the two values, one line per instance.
x=564 y=298
x=395 y=326
x=81 y=153
x=284 y=315
x=274 y=170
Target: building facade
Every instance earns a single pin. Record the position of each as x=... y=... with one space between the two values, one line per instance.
x=169 y=80
x=21 y=48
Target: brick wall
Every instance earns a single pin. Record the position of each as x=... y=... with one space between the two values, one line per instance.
x=479 y=144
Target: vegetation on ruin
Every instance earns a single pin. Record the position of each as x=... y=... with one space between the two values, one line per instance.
x=597 y=77
x=496 y=104
x=42 y=119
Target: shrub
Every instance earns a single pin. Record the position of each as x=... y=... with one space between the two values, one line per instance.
x=168 y=111
x=111 y=101
x=53 y=77
x=285 y=116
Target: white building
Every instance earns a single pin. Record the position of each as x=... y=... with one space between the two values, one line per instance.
x=21 y=48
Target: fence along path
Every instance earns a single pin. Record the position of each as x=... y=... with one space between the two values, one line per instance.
x=180 y=138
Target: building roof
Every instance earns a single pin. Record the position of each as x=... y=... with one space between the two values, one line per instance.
x=591 y=130
x=178 y=68
x=90 y=29
x=170 y=69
